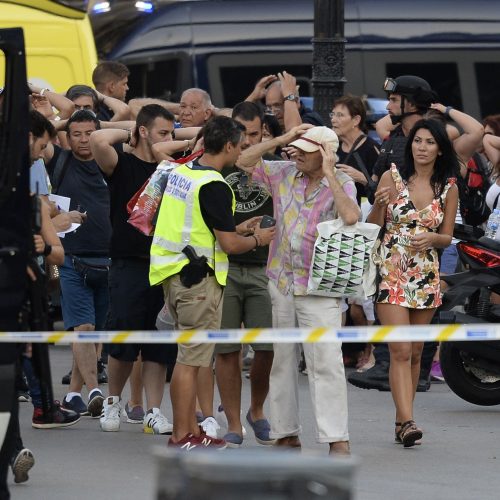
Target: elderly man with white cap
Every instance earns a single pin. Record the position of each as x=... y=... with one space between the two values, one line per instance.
x=305 y=191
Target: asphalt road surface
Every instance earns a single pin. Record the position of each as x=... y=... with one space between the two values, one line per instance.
x=459 y=457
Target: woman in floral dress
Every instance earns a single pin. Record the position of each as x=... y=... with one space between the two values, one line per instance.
x=416 y=203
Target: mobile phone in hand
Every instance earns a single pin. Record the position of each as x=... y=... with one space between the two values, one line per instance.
x=267 y=221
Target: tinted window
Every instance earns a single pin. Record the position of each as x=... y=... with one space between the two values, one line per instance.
x=488 y=76
x=442 y=77
x=158 y=79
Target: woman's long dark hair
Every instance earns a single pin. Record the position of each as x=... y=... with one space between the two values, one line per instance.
x=446 y=165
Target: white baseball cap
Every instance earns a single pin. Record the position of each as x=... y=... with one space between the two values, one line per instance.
x=316 y=138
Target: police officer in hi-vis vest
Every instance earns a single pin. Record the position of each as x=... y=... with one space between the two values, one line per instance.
x=194 y=233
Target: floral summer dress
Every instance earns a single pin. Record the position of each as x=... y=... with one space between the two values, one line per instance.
x=410 y=278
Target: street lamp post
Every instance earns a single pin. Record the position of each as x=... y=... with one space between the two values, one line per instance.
x=328 y=55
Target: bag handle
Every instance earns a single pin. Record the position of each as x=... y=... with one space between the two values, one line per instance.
x=360 y=165
x=353 y=147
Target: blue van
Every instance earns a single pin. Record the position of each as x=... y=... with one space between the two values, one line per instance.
x=224 y=46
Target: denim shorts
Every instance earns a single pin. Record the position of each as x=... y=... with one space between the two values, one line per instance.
x=449 y=260
x=84 y=291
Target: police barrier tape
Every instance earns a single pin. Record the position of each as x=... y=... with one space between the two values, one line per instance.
x=373 y=334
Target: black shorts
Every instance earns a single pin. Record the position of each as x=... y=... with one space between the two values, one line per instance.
x=158 y=353
x=134 y=305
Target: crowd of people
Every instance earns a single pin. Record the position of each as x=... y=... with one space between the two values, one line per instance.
x=211 y=265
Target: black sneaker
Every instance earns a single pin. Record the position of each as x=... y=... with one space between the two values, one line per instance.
x=96 y=401
x=376 y=377
x=67 y=378
x=23 y=396
x=77 y=405
x=424 y=384
x=102 y=376
x=61 y=417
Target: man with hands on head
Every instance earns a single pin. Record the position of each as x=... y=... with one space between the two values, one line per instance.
x=84 y=273
x=305 y=191
x=134 y=305
x=281 y=95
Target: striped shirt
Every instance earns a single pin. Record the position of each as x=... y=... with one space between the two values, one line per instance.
x=296 y=217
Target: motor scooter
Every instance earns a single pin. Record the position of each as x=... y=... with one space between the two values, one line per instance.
x=472 y=368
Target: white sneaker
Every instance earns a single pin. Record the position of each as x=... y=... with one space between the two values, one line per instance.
x=210 y=427
x=221 y=418
x=156 y=423
x=110 y=417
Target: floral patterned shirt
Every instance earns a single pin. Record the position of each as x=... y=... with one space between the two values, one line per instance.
x=291 y=251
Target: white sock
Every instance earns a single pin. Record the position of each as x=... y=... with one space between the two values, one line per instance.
x=71 y=395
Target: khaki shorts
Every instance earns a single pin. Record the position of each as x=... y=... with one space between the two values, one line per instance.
x=247 y=302
x=195 y=308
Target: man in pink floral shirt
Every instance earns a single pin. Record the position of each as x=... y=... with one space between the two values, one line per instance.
x=305 y=191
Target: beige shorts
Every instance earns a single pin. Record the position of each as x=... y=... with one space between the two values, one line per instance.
x=195 y=308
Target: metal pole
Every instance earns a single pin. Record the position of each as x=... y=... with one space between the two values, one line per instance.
x=328 y=55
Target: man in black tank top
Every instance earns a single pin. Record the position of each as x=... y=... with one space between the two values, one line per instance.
x=134 y=305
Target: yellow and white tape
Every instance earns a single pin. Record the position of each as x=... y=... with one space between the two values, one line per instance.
x=421 y=333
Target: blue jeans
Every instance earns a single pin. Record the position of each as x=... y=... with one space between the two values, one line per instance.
x=33 y=382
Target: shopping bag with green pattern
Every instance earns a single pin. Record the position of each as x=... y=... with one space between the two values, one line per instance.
x=342 y=264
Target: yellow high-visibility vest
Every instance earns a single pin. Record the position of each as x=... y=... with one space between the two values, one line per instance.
x=181 y=223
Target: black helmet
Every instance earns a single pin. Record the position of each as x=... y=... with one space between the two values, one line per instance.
x=414 y=88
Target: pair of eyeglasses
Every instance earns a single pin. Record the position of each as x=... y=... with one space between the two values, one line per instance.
x=336 y=115
x=269 y=110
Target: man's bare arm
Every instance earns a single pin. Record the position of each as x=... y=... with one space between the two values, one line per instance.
x=101 y=145
x=136 y=105
x=253 y=154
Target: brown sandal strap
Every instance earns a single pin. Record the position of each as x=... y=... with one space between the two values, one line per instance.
x=409 y=433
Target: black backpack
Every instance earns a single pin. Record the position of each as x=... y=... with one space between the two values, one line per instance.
x=472 y=191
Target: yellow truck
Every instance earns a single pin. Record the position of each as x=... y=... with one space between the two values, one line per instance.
x=60 y=48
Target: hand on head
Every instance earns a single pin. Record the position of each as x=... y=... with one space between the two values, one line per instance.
x=329 y=159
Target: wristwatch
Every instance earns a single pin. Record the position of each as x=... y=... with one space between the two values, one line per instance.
x=290 y=97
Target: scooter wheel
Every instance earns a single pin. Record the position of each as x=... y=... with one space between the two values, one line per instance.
x=463 y=382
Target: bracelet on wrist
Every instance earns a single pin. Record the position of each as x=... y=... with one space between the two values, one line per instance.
x=129 y=137
x=257 y=243
x=447 y=111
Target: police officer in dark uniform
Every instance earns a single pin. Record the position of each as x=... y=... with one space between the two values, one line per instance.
x=409 y=99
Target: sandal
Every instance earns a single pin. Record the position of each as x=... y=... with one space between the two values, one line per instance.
x=397 y=434
x=292 y=442
x=409 y=433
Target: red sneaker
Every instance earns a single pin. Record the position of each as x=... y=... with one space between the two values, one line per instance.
x=60 y=417
x=190 y=442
